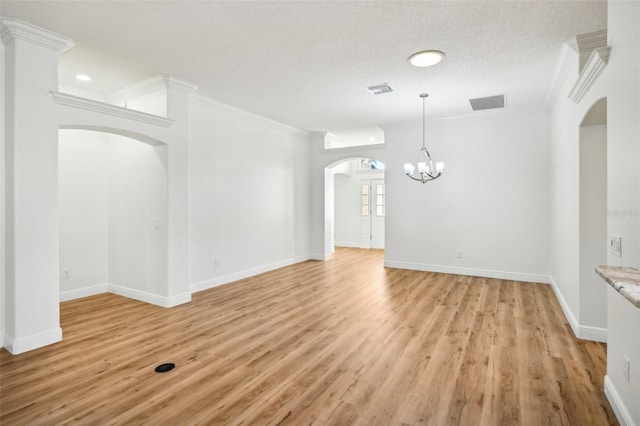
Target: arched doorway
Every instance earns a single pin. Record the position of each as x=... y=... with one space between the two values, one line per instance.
x=593 y=219
x=355 y=191
x=113 y=215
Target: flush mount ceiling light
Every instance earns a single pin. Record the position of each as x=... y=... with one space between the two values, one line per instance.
x=426 y=169
x=83 y=77
x=426 y=58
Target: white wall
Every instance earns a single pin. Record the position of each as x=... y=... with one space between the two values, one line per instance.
x=113 y=216
x=137 y=216
x=619 y=83
x=249 y=195
x=3 y=310
x=624 y=340
x=593 y=223
x=83 y=212
x=347 y=214
x=491 y=204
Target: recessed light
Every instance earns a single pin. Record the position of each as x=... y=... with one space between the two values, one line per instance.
x=83 y=77
x=426 y=58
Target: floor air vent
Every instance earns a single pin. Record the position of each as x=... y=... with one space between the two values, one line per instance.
x=490 y=102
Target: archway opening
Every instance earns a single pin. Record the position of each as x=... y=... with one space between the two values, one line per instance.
x=113 y=214
x=355 y=194
x=593 y=219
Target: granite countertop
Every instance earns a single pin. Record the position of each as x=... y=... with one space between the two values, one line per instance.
x=625 y=280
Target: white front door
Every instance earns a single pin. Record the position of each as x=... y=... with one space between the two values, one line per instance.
x=377 y=213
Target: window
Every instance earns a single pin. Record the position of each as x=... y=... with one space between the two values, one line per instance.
x=367 y=165
x=380 y=199
x=364 y=192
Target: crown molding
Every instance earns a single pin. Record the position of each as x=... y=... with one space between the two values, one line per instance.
x=206 y=102
x=141 y=88
x=564 y=64
x=590 y=73
x=15 y=29
x=108 y=109
x=590 y=41
x=474 y=115
x=179 y=84
x=151 y=85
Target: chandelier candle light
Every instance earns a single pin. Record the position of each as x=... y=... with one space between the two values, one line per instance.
x=426 y=170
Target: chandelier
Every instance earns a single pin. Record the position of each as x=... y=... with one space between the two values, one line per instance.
x=425 y=167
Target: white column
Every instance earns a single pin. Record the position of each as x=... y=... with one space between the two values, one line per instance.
x=31 y=305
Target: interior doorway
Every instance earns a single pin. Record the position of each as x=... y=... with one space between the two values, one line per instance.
x=593 y=218
x=358 y=213
x=113 y=215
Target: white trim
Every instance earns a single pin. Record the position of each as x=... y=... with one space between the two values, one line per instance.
x=590 y=41
x=590 y=73
x=584 y=332
x=595 y=334
x=573 y=322
x=153 y=84
x=356 y=150
x=178 y=299
x=84 y=292
x=565 y=62
x=346 y=244
x=29 y=343
x=472 y=115
x=154 y=299
x=164 y=301
x=486 y=273
x=206 y=102
x=141 y=88
x=225 y=279
x=619 y=408
x=108 y=109
x=180 y=84
x=16 y=29
x=319 y=256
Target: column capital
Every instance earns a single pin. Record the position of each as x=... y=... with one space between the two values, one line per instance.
x=15 y=29
x=179 y=84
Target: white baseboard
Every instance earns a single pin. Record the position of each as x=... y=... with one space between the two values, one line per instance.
x=318 y=256
x=225 y=279
x=584 y=332
x=166 y=302
x=619 y=408
x=28 y=343
x=179 y=299
x=486 y=273
x=346 y=244
x=154 y=299
x=83 y=292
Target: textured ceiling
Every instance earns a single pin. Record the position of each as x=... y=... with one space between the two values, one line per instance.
x=308 y=63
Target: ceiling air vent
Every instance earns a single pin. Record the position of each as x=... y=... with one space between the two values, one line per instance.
x=490 y=102
x=380 y=88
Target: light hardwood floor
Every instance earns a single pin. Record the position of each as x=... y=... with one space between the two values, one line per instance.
x=337 y=342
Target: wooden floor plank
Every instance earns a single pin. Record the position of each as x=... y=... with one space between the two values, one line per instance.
x=345 y=341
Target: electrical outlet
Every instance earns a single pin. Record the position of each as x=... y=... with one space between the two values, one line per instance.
x=66 y=274
x=216 y=261
x=626 y=365
x=459 y=254
x=615 y=245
